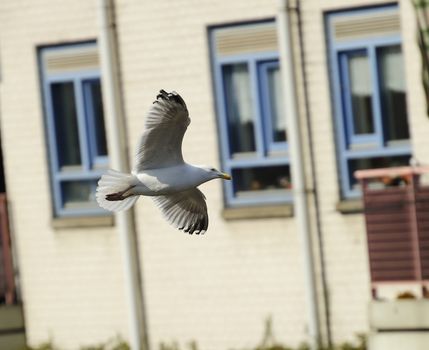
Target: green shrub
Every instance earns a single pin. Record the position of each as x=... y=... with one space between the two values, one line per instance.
x=116 y=343
x=268 y=342
x=360 y=345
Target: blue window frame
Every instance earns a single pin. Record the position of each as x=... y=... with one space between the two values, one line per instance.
x=275 y=134
x=251 y=118
x=369 y=95
x=74 y=116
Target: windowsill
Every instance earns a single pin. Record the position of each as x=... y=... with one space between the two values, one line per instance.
x=350 y=206
x=82 y=222
x=258 y=212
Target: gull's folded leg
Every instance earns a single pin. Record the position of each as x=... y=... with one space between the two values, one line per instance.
x=114 y=191
x=119 y=196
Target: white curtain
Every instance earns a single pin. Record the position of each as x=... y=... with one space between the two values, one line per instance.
x=240 y=111
x=275 y=89
x=242 y=98
x=393 y=69
x=360 y=79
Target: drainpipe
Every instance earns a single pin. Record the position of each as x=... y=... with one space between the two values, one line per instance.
x=299 y=187
x=118 y=155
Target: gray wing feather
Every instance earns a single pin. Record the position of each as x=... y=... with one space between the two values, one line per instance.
x=161 y=143
x=185 y=210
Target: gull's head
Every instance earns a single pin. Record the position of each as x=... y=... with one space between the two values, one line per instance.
x=213 y=173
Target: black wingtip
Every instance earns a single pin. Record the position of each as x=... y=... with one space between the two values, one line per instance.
x=164 y=95
x=177 y=98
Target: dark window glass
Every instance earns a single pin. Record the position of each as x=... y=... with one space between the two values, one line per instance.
x=375 y=163
x=393 y=93
x=239 y=108
x=95 y=103
x=361 y=93
x=66 y=127
x=261 y=178
x=78 y=192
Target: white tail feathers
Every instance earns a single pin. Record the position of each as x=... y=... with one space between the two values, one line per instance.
x=113 y=183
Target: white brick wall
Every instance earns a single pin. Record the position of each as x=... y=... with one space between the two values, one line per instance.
x=343 y=235
x=419 y=125
x=71 y=279
x=217 y=289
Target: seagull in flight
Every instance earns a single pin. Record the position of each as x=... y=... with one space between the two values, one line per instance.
x=160 y=171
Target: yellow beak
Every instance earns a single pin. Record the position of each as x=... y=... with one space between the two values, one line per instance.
x=225 y=176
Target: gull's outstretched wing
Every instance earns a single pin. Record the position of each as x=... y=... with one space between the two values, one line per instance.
x=185 y=210
x=161 y=143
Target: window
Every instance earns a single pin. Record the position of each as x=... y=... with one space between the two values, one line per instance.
x=75 y=126
x=251 y=117
x=368 y=85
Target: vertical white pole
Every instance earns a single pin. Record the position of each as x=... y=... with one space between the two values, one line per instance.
x=297 y=168
x=118 y=155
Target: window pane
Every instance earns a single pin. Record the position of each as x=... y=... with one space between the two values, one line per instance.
x=262 y=178
x=66 y=128
x=278 y=118
x=361 y=92
x=76 y=193
x=96 y=110
x=393 y=93
x=239 y=108
x=374 y=163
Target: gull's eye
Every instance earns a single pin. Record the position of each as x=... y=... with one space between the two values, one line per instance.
x=212 y=169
